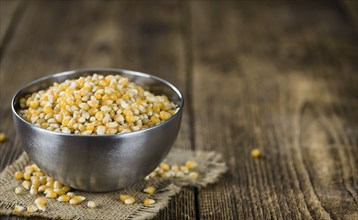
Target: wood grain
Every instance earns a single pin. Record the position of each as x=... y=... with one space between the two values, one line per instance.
x=282 y=78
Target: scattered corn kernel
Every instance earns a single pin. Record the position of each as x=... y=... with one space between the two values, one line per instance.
x=41 y=200
x=19 y=175
x=96 y=105
x=128 y=200
x=19 y=190
x=2 y=137
x=191 y=164
x=31 y=208
x=33 y=191
x=77 y=200
x=19 y=208
x=164 y=166
x=91 y=204
x=194 y=175
x=27 y=176
x=149 y=190
x=26 y=184
x=256 y=153
x=148 y=202
x=71 y=194
x=41 y=206
x=42 y=188
x=64 y=198
x=51 y=194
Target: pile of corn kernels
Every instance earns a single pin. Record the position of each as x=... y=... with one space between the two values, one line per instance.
x=96 y=104
x=35 y=182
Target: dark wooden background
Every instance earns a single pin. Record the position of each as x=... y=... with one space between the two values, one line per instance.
x=276 y=75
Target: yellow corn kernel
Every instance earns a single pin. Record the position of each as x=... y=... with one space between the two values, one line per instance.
x=193 y=175
x=2 y=137
x=27 y=176
x=19 y=190
x=19 y=175
x=150 y=190
x=47 y=109
x=33 y=191
x=59 y=192
x=41 y=207
x=42 y=188
x=148 y=202
x=71 y=194
x=255 y=153
x=130 y=119
x=126 y=97
x=164 y=115
x=66 y=188
x=155 y=119
x=38 y=174
x=41 y=200
x=191 y=164
x=99 y=116
x=64 y=198
x=51 y=194
x=77 y=200
x=91 y=204
x=26 y=184
x=57 y=185
x=128 y=200
x=84 y=106
x=19 y=208
x=156 y=107
x=31 y=208
x=184 y=169
x=175 y=168
x=164 y=166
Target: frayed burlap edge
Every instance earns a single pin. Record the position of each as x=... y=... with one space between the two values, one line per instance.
x=211 y=167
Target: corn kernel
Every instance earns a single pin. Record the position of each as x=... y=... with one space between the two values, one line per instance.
x=91 y=204
x=191 y=164
x=18 y=175
x=51 y=194
x=41 y=206
x=26 y=184
x=41 y=200
x=255 y=153
x=164 y=166
x=70 y=194
x=128 y=200
x=42 y=188
x=27 y=176
x=193 y=175
x=31 y=208
x=77 y=200
x=148 y=202
x=64 y=198
x=19 y=190
x=59 y=192
x=57 y=185
x=19 y=208
x=33 y=191
x=164 y=115
x=150 y=190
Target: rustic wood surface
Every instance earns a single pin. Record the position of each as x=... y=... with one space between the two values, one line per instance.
x=280 y=76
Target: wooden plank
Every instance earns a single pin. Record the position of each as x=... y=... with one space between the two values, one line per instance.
x=282 y=78
x=7 y=16
x=123 y=34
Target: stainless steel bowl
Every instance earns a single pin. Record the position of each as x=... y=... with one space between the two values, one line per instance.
x=99 y=163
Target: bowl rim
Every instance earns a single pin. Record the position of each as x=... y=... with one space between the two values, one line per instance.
x=92 y=71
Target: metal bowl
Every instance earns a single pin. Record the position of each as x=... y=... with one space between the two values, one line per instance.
x=99 y=163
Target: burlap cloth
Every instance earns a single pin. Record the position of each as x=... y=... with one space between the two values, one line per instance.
x=210 y=167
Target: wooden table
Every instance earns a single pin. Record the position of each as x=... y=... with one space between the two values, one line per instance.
x=278 y=76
